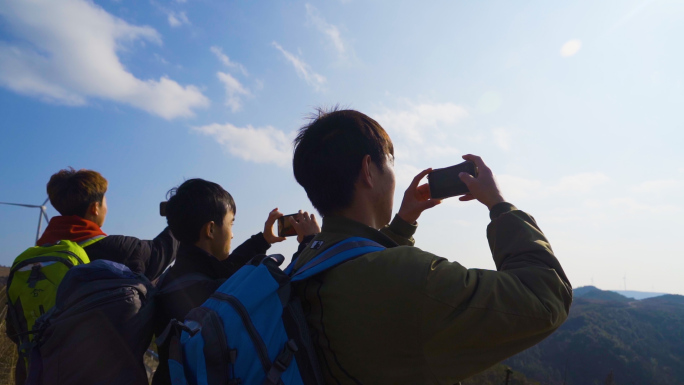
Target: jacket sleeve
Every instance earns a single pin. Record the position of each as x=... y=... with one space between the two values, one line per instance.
x=158 y=253
x=400 y=231
x=250 y=248
x=473 y=318
x=148 y=257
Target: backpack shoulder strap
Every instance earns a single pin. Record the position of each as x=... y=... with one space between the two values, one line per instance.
x=341 y=252
x=90 y=241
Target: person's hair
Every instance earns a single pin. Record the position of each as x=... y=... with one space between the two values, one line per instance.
x=195 y=203
x=328 y=153
x=71 y=192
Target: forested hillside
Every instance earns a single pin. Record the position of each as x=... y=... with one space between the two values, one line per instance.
x=640 y=342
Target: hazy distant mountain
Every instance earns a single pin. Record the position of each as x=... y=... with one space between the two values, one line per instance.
x=638 y=294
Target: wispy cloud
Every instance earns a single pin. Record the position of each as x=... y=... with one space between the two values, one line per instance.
x=579 y=183
x=502 y=138
x=519 y=188
x=418 y=122
x=303 y=69
x=79 y=59
x=659 y=187
x=176 y=19
x=423 y=131
x=634 y=206
x=225 y=60
x=234 y=91
x=631 y=14
x=570 y=48
x=258 y=145
x=329 y=30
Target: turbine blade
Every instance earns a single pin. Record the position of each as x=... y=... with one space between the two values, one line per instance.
x=18 y=204
x=45 y=215
x=46 y=201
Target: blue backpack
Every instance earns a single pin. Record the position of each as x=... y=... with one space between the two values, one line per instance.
x=252 y=330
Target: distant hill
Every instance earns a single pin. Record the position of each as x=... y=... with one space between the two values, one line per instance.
x=640 y=342
x=591 y=292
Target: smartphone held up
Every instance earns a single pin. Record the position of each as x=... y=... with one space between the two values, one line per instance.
x=285 y=228
x=445 y=182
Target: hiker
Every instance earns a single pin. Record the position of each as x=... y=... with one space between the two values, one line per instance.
x=201 y=215
x=79 y=196
x=402 y=315
x=74 y=238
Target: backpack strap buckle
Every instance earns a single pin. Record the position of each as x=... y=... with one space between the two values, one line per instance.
x=36 y=275
x=281 y=363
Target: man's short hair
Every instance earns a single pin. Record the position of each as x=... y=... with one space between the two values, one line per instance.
x=71 y=192
x=195 y=203
x=328 y=153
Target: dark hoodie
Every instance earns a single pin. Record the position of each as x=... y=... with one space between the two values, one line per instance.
x=141 y=256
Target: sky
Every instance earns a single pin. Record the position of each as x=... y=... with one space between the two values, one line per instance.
x=575 y=106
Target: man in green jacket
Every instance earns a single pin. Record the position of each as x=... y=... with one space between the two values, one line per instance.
x=404 y=315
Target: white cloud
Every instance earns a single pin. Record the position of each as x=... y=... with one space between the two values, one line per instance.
x=518 y=188
x=223 y=58
x=234 y=91
x=329 y=30
x=404 y=174
x=580 y=183
x=70 y=55
x=259 y=145
x=303 y=69
x=632 y=205
x=659 y=186
x=176 y=19
x=421 y=131
x=502 y=138
x=570 y=48
x=418 y=122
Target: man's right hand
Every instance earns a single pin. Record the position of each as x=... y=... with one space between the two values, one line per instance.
x=483 y=188
x=305 y=225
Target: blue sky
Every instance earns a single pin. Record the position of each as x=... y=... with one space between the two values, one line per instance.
x=575 y=106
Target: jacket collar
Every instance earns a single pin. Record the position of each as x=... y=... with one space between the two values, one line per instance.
x=191 y=258
x=72 y=228
x=352 y=228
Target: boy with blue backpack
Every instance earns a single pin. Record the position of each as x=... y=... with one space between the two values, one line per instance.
x=201 y=215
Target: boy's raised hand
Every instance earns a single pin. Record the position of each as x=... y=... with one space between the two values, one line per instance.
x=304 y=224
x=269 y=235
x=417 y=199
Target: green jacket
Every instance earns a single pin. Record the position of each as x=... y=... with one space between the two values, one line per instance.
x=406 y=316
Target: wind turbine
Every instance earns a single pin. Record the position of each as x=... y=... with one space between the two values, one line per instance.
x=40 y=217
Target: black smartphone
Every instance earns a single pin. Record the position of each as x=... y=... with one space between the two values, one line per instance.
x=285 y=228
x=162 y=208
x=445 y=183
